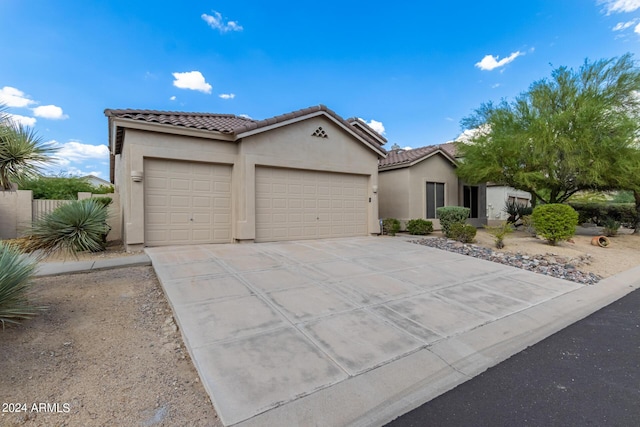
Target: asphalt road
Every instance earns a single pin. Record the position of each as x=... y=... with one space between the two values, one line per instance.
x=588 y=374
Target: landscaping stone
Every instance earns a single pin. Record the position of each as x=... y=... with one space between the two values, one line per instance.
x=549 y=263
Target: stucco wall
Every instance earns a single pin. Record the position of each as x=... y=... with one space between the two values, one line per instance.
x=393 y=193
x=15 y=212
x=404 y=191
x=290 y=146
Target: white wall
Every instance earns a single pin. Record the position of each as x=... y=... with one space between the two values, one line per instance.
x=497 y=197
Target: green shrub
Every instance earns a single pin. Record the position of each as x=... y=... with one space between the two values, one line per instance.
x=419 y=227
x=62 y=187
x=16 y=271
x=611 y=227
x=390 y=226
x=464 y=233
x=598 y=213
x=499 y=232
x=555 y=222
x=77 y=226
x=449 y=215
x=104 y=201
x=623 y=197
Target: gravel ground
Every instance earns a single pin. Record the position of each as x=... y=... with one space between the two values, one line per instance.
x=549 y=263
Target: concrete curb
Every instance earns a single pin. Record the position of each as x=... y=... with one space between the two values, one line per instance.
x=56 y=268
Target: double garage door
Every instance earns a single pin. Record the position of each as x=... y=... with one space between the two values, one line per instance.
x=190 y=203
x=296 y=204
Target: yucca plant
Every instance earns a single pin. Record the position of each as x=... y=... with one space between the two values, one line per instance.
x=16 y=271
x=22 y=152
x=76 y=226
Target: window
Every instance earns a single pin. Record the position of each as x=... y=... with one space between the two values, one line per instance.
x=435 y=198
x=471 y=200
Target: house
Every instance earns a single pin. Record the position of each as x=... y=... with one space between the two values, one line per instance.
x=96 y=181
x=192 y=178
x=414 y=183
x=497 y=198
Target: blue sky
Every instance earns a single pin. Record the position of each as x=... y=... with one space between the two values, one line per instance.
x=412 y=68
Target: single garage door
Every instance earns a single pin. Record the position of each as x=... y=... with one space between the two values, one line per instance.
x=186 y=203
x=299 y=204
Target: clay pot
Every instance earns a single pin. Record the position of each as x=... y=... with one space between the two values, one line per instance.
x=602 y=241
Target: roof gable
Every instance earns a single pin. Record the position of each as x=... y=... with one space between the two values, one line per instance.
x=405 y=158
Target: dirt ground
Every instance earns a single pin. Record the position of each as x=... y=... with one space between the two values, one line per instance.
x=622 y=254
x=107 y=351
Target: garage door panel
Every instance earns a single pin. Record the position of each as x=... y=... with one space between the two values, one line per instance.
x=315 y=204
x=187 y=202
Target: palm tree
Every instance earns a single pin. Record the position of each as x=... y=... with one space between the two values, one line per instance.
x=22 y=152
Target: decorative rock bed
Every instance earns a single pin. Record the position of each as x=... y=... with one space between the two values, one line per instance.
x=549 y=264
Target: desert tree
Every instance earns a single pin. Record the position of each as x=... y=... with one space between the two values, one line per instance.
x=577 y=130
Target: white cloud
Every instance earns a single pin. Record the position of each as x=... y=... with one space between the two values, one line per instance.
x=217 y=23
x=22 y=120
x=173 y=98
x=246 y=116
x=469 y=134
x=623 y=25
x=50 y=112
x=12 y=97
x=637 y=29
x=495 y=85
x=193 y=80
x=490 y=62
x=227 y=95
x=74 y=151
x=375 y=125
x=620 y=6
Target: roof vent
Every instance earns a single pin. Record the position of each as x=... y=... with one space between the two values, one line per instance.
x=320 y=133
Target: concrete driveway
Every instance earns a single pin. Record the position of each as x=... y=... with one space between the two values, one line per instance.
x=352 y=331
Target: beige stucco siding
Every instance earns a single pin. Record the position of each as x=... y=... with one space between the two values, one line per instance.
x=289 y=146
x=403 y=192
x=394 y=193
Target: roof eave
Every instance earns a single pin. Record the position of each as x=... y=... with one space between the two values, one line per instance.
x=418 y=160
x=119 y=122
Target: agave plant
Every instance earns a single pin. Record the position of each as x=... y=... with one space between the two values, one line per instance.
x=16 y=271
x=22 y=152
x=76 y=226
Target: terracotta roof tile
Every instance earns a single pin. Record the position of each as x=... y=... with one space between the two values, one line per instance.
x=224 y=123
x=399 y=158
x=229 y=123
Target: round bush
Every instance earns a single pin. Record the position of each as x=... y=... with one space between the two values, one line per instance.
x=555 y=222
x=390 y=226
x=449 y=215
x=464 y=233
x=419 y=227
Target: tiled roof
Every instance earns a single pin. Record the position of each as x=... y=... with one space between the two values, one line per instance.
x=400 y=158
x=224 y=123
x=450 y=149
x=231 y=124
x=228 y=124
